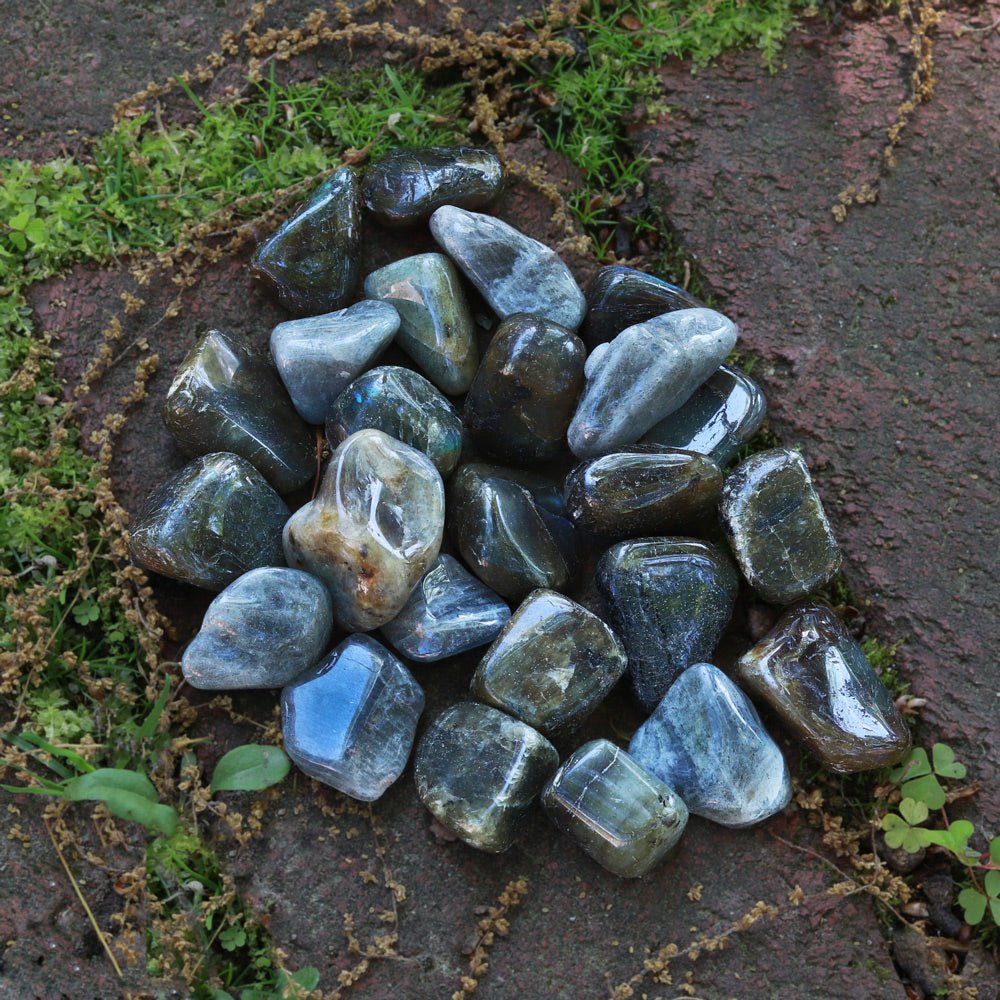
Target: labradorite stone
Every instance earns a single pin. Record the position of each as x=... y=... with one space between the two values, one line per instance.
x=670 y=599
x=373 y=530
x=406 y=185
x=721 y=416
x=312 y=261
x=552 y=665
x=619 y=297
x=350 y=721
x=227 y=396
x=617 y=811
x=478 y=771
x=449 y=612
x=505 y=535
x=262 y=631
x=513 y=272
x=815 y=678
x=524 y=394
x=209 y=523
x=403 y=405
x=645 y=373
x=640 y=492
x=317 y=357
x=706 y=741
x=777 y=528
x=435 y=323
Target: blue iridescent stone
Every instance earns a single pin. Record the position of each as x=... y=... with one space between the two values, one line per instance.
x=350 y=721
x=262 y=631
x=706 y=741
x=449 y=612
x=618 y=812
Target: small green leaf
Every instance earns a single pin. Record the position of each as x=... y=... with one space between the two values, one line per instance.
x=35 y=231
x=914 y=765
x=912 y=811
x=148 y=726
x=307 y=978
x=233 y=937
x=995 y=911
x=20 y=243
x=926 y=789
x=19 y=221
x=151 y=815
x=992 y=884
x=945 y=764
x=995 y=850
x=97 y=784
x=250 y=768
x=954 y=839
x=973 y=903
x=899 y=833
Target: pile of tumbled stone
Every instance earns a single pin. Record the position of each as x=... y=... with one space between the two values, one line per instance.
x=650 y=414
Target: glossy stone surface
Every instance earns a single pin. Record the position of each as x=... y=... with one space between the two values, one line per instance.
x=209 y=523
x=505 y=535
x=670 y=600
x=618 y=812
x=435 y=323
x=552 y=665
x=645 y=373
x=777 y=528
x=262 y=631
x=404 y=405
x=478 y=771
x=227 y=396
x=513 y=272
x=318 y=357
x=373 y=530
x=638 y=492
x=449 y=612
x=406 y=185
x=706 y=741
x=619 y=297
x=312 y=261
x=350 y=721
x=815 y=678
x=721 y=416
x=525 y=391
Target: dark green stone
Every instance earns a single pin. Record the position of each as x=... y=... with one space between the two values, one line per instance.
x=670 y=599
x=478 y=772
x=644 y=492
x=721 y=416
x=525 y=392
x=815 y=678
x=777 y=527
x=406 y=185
x=552 y=665
x=312 y=261
x=506 y=537
x=209 y=523
x=228 y=396
x=619 y=813
x=403 y=405
x=619 y=297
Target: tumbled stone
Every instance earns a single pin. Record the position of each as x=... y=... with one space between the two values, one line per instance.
x=617 y=811
x=406 y=185
x=226 y=396
x=449 y=612
x=645 y=373
x=262 y=631
x=209 y=523
x=478 y=772
x=312 y=261
x=510 y=540
x=524 y=394
x=318 y=357
x=777 y=528
x=350 y=721
x=816 y=679
x=619 y=297
x=404 y=405
x=721 y=416
x=513 y=272
x=644 y=492
x=435 y=323
x=372 y=531
x=552 y=665
x=706 y=741
x=670 y=600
